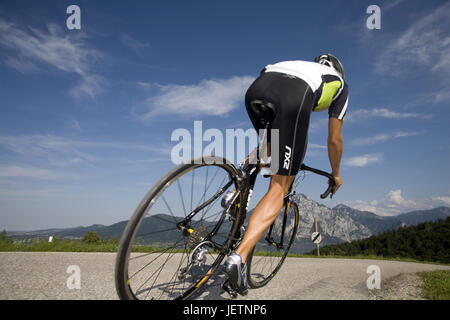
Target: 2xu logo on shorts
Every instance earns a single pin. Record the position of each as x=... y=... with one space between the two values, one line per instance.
x=287 y=158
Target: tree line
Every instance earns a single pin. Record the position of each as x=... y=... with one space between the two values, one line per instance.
x=427 y=241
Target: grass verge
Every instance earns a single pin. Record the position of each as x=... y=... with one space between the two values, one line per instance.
x=436 y=284
x=366 y=257
x=63 y=245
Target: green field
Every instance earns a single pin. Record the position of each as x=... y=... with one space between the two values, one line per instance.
x=91 y=242
x=436 y=284
x=366 y=257
x=59 y=245
x=64 y=245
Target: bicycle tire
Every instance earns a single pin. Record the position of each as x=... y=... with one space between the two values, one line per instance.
x=254 y=278
x=122 y=282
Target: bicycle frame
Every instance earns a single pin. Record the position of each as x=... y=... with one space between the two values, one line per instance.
x=199 y=242
x=247 y=182
x=252 y=171
x=246 y=179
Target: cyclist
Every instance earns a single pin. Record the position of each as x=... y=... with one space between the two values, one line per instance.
x=296 y=88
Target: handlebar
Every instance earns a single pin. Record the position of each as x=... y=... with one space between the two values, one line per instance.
x=325 y=174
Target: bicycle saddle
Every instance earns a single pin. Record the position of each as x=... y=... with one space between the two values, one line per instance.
x=264 y=110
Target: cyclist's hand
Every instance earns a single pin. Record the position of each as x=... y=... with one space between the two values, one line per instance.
x=338 y=181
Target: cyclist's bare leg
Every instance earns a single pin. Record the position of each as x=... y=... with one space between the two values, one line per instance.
x=264 y=213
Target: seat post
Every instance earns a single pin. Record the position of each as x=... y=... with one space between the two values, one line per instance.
x=266 y=112
x=264 y=138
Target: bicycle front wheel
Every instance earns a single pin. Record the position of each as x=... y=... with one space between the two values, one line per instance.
x=158 y=259
x=268 y=255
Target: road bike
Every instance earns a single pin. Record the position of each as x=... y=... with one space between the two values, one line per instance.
x=180 y=232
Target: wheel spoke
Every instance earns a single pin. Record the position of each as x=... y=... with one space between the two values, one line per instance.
x=156 y=216
x=221 y=185
x=156 y=232
x=213 y=214
x=210 y=183
x=192 y=188
x=168 y=207
x=157 y=272
x=182 y=199
x=161 y=253
x=175 y=274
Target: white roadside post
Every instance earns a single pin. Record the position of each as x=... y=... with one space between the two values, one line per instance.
x=316 y=237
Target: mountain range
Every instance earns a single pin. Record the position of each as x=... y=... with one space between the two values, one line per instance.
x=345 y=224
x=337 y=225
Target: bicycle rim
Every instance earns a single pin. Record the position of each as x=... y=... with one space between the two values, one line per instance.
x=157 y=260
x=266 y=258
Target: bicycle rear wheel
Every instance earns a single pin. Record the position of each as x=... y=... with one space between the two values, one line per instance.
x=158 y=259
x=267 y=257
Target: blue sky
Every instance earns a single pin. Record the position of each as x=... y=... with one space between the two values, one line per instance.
x=86 y=115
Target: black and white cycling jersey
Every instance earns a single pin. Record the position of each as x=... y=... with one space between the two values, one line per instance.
x=330 y=90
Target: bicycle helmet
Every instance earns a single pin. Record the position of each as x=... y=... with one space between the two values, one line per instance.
x=331 y=61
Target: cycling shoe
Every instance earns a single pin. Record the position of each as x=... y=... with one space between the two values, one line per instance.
x=236 y=272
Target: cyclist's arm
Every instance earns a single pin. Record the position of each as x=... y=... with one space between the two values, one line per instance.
x=335 y=146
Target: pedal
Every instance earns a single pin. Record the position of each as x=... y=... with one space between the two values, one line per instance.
x=229 y=289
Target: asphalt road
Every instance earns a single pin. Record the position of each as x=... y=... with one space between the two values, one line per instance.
x=37 y=275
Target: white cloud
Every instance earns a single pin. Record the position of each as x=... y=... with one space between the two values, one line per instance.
x=30 y=192
x=441 y=95
x=386 y=113
x=316 y=146
x=401 y=134
x=75 y=125
x=381 y=113
x=362 y=114
x=63 y=152
x=27 y=172
x=395 y=203
x=57 y=150
x=382 y=138
x=363 y=160
x=90 y=86
x=135 y=45
x=320 y=124
x=422 y=48
x=370 y=206
x=444 y=200
x=391 y=4
x=27 y=49
x=425 y=43
x=395 y=197
x=209 y=97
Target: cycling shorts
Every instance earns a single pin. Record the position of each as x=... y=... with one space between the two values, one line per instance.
x=294 y=101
